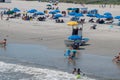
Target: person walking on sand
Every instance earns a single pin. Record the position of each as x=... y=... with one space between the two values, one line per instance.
x=1 y=15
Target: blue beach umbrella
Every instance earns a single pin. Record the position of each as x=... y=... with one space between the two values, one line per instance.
x=39 y=13
x=107 y=13
x=32 y=11
x=48 y=5
x=72 y=13
x=57 y=11
x=99 y=16
x=78 y=14
x=117 y=17
x=16 y=10
x=74 y=37
x=52 y=12
x=74 y=8
x=69 y=8
x=58 y=15
x=108 y=16
x=90 y=15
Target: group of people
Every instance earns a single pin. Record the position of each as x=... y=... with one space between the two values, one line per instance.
x=77 y=72
x=59 y=21
x=117 y=58
x=25 y=16
x=41 y=18
x=100 y=21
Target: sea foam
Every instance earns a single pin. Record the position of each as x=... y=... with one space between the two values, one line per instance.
x=10 y=71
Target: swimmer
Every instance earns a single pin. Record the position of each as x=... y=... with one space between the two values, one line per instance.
x=3 y=42
x=74 y=71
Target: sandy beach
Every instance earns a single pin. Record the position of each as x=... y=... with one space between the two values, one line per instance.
x=103 y=41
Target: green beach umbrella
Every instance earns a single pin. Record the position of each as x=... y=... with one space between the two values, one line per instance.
x=69 y=8
x=10 y=12
x=48 y=5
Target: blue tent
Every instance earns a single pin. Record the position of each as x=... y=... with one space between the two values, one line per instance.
x=39 y=13
x=75 y=37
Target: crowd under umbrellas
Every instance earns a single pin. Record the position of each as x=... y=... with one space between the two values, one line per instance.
x=53 y=13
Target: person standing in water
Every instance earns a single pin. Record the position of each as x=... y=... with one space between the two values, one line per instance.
x=3 y=42
x=74 y=71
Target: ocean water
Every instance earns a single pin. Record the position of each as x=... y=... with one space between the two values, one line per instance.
x=10 y=71
x=35 y=62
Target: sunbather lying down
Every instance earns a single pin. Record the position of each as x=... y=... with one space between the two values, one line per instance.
x=3 y=42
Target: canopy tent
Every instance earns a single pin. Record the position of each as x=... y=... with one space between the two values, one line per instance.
x=94 y=11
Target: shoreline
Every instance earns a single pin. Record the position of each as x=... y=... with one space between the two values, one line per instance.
x=15 y=54
x=45 y=34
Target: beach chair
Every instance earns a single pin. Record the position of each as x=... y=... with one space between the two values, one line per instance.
x=84 y=40
x=119 y=24
x=74 y=43
x=68 y=42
